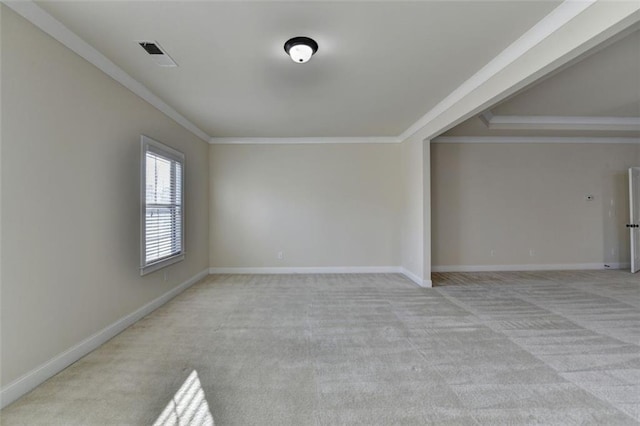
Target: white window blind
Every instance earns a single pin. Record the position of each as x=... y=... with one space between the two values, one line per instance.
x=162 y=213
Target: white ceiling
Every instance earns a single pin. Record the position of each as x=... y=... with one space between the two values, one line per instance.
x=379 y=68
x=602 y=84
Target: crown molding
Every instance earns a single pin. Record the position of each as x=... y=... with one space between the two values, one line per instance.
x=556 y=122
x=299 y=141
x=533 y=139
x=558 y=17
x=47 y=23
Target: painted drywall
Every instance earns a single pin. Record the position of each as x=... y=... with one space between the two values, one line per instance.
x=325 y=205
x=514 y=198
x=412 y=223
x=70 y=199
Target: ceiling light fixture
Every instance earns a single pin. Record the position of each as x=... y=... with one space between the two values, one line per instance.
x=301 y=49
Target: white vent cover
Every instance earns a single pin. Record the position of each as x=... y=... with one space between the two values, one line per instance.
x=157 y=53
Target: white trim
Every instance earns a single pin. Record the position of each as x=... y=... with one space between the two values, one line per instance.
x=33 y=378
x=553 y=122
x=416 y=279
x=47 y=23
x=617 y=265
x=308 y=270
x=533 y=139
x=558 y=17
x=527 y=267
x=299 y=141
x=413 y=277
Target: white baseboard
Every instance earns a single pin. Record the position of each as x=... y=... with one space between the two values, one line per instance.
x=617 y=265
x=415 y=278
x=527 y=267
x=309 y=270
x=29 y=381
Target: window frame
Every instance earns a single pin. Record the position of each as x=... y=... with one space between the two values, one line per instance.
x=148 y=144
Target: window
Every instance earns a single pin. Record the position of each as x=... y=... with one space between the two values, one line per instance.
x=162 y=213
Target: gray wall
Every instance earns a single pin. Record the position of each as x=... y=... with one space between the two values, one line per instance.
x=321 y=205
x=513 y=198
x=70 y=199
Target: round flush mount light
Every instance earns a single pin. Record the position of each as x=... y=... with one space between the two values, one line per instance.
x=300 y=49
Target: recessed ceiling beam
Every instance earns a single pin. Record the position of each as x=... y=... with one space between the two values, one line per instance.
x=569 y=31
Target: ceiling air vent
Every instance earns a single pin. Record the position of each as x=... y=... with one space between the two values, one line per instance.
x=158 y=55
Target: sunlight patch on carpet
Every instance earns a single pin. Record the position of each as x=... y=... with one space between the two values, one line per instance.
x=187 y=407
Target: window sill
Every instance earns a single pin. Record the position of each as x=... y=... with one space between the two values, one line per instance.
x=161 y=264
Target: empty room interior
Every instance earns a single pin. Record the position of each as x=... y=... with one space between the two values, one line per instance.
x=320 y=212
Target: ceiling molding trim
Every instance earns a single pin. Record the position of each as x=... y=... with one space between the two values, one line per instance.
x=552 y=122
x=558 y=17
x=533 y=139
x=47 y=23
x=303 y=141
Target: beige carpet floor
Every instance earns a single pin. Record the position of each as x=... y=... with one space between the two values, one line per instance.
x=552 y=348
